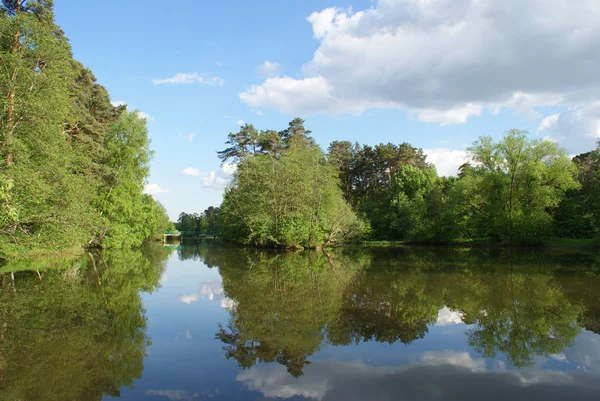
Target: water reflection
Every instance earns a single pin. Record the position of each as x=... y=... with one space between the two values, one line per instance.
x=75 y=331
x=518 y=305
x=446 y=375
x=225 y=322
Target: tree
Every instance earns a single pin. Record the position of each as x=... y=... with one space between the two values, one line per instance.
x=578 y=215
x=59 y=173
x=518 y=183
x=129 y=216
x=287 y=200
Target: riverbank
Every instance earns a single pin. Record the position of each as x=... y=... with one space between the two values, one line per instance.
x=575 y=243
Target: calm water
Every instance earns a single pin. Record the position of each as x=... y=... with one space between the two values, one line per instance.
x=212 y=322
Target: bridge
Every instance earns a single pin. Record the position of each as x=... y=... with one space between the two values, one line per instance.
x=186 y=234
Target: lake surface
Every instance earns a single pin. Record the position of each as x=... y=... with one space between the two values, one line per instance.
x=209 y=321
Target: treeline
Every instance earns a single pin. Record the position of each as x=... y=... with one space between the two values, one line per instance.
x=73 y=166
x=204 y=223
x=287 y=192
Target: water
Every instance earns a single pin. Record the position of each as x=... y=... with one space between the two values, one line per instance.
x=223 y=323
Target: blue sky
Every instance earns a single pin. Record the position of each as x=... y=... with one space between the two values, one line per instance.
x=434 y=73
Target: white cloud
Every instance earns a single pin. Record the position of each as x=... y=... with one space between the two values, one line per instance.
x=228 y=304
x=447 y=317
x=175 y=394
x=444 y=60
x=219 y=64
x=548 y=122
x=453 y=116
x=454 y=358
x=154 y=189
x=577 y=129
x=451 y=375
x=214 y=181
x=218 y=180
x=187 y=298
x=147 y=116
x=211 y=81
x=190 y=172
x=240 y=122
x=446 y=161
x=190 y=137
x=269 y=69
x=178 y=79
x=141 y=114
x=182 y=78
x=228 y=168
x=211 y=289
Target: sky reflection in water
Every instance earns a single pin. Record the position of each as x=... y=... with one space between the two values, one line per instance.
x=405 y=324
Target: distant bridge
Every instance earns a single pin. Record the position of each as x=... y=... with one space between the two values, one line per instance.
x=187 y=234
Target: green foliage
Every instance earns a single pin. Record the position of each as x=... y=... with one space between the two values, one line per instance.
x=367 y=178
x=290 y=199
x=76 y=331
x=424 y=212
x=515 y=185
x=510 y=192
x=578 y=215
x=205 y=223
x=61 y=145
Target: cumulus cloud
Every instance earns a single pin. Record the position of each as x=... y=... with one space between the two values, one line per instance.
x=446 y=161
x=211 y=289
x=447 y=317
x=190 y=172
x=444 y=60
x=214 y=181
x=154 y=189
x=269 y=69
x=240 y=122
x=227 y=303
x=187 y=298
x=577 y=129
x=183 y=78
x=219 y=179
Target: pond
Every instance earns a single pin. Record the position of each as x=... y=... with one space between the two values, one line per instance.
x=210 y=321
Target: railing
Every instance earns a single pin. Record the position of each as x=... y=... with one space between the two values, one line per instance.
x=189 y=233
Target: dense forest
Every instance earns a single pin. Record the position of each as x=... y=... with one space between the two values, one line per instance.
x=72 y=166
x=287 y=192
x=204 y=223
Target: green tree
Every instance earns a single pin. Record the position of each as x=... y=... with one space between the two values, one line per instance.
x=578 y=213
x=129 y=216
x=287 y=200
x=518 y=182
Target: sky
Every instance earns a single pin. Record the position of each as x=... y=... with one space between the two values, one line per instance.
x=435 y=73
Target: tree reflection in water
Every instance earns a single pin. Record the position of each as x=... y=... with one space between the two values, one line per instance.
x=288 y=306
x=76 y=331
